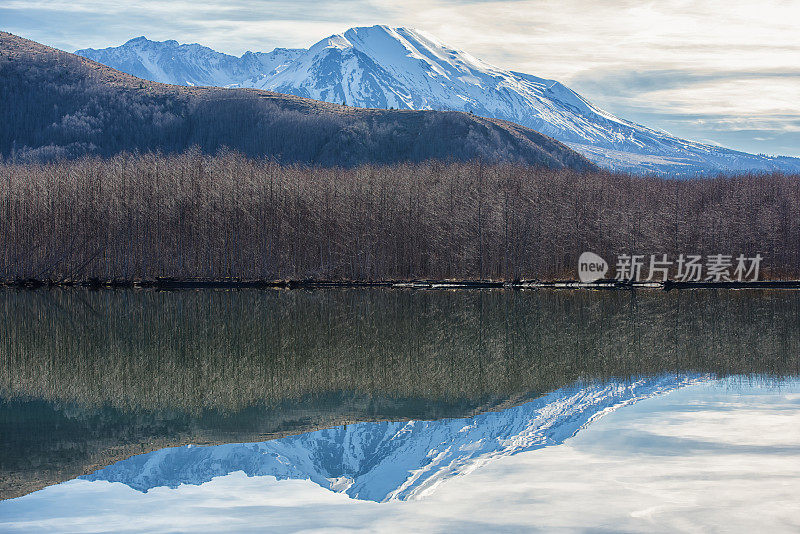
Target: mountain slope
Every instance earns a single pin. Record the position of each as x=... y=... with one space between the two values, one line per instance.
x=55 y=104
x=393 y=461
x=383 y=67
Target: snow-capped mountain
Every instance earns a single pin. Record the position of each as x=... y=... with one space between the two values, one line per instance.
x=383 y=67
x=394 y=460
x=192 y=64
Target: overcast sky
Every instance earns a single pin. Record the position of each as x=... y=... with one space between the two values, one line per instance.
x=721 y=71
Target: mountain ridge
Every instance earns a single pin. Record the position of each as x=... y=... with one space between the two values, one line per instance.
x=385 y=67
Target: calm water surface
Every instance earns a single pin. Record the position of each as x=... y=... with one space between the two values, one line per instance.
x=390 y=410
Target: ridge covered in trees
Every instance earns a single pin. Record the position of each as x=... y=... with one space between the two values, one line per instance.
x=228 y=216
x=56 y=105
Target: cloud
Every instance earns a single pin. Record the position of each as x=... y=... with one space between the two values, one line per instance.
x=755 y=111
x=231 y=27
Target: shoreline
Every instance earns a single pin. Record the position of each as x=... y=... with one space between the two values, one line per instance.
x=171 y=284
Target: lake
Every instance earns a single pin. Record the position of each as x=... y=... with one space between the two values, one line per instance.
x=395 y=409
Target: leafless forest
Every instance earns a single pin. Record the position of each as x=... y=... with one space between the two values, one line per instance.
x=190 y=215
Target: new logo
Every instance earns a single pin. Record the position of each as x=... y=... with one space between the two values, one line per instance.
x=591 y=267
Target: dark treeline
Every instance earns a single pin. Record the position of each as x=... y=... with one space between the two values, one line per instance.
x=190 y=215
x=56 y=105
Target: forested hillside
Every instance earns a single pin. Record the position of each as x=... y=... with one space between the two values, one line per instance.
x=55 y=105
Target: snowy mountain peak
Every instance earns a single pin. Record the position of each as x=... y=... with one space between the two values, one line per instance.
x=191 y=64
x=337 y=41
x=388 y=67
x=144 y=42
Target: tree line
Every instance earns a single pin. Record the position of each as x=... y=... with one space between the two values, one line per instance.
x=191 y=215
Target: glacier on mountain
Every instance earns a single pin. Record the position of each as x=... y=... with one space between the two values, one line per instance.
x=394 y=460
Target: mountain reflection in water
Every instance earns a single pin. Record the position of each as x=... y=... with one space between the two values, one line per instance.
x=392 y=460
x=89 y=379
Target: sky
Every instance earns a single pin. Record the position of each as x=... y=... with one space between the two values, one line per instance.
x=720 y=71
x=719 y=456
